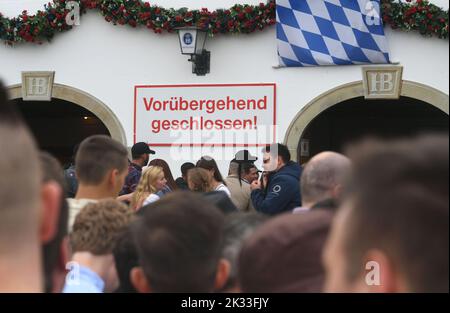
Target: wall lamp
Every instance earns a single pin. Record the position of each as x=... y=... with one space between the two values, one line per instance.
x=192 y=42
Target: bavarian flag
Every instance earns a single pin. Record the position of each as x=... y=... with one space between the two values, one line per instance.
x=330 y=32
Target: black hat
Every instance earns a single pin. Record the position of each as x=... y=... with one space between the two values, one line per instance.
x=244 y=156
x=140 y=148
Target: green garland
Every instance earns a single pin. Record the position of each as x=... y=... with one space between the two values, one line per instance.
x=418 y=15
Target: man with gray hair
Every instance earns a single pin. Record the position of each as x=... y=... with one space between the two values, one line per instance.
x=322 y=180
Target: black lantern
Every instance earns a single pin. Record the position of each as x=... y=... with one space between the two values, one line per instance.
x=192 y=42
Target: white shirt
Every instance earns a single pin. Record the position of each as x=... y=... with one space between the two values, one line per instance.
x=75 y=206
x=223 y=188
x=151 y=199
x=301 y=210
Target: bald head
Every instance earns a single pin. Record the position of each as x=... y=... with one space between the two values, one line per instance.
x=323 y=177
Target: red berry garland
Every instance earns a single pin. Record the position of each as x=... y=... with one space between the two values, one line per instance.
x=419 y=15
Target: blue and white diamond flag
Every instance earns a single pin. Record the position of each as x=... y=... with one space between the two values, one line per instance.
x=330 y=32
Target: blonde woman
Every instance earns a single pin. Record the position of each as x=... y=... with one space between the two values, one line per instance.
x=151 y=182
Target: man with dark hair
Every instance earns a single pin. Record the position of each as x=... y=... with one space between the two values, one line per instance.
x=281 y=192
x=392 y=232
x=55 y=215
x=239 y=184
x=126 y=258
x=20 y=204
x=243 y=158
x=322 y=181
x=250 y=173
x=182 y=181
x=238 y=227
x=101 y=170
x=178 y=241
x=140 y=154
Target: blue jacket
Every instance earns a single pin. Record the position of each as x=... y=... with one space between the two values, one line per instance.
x=283 y=192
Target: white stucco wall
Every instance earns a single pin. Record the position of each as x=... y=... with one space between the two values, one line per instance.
x=107 y=61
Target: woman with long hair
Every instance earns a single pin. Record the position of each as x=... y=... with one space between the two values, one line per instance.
x=218 y=182
x=152 y=181
x=171 y=184
x=199 y=180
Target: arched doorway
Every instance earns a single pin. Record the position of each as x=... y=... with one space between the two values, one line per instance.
x=357 y=118
x=67 y=119
x=342 y=115
x=59 y=125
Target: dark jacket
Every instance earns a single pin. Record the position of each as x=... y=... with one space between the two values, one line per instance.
x=283 y=191
x=132 y=179
x=181 y=183
x=71 y=181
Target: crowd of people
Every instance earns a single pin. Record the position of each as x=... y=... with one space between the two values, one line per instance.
x=373 y=220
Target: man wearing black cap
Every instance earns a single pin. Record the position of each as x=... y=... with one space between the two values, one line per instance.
x=241 y=174
x=140 y=152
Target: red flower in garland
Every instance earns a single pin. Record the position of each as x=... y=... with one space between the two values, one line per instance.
x=132 y=23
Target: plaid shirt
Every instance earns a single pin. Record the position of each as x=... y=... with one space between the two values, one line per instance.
x=132 y=179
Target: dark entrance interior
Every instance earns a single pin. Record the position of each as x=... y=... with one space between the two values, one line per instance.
x=59 y=125
x=357 y=118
